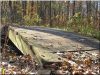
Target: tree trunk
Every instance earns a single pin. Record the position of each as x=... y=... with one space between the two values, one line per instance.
x=73 y=12
x=11 y=11
x=68 y=10
x=24 y=7
x=50 y=15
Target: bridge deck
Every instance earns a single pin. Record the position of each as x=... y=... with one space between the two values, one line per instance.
x=44 y=42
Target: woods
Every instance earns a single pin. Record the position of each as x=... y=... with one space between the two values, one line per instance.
x=77 y=16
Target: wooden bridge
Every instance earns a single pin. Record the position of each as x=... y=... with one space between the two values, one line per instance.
x=45 y=43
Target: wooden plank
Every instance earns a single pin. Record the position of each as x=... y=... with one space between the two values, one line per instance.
x=43 y=44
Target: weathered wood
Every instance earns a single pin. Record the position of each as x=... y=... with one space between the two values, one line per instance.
x=22 y=42
x=43 y=44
